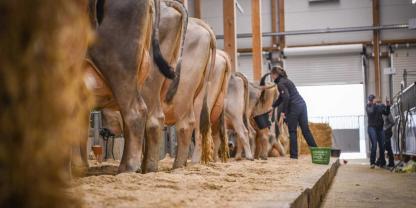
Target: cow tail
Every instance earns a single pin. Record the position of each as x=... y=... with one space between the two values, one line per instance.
x=173 y=87
x=161 y=63
x=246 y=98
x=205 y=129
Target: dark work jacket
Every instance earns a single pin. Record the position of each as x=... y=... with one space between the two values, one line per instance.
x=289 y=95
x=375 y=114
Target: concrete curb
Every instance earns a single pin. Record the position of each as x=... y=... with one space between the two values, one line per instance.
x=313 y=197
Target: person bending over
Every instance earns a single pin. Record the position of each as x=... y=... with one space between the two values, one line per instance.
x=293 y=110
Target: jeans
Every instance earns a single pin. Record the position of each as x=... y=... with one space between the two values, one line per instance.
x=387 y=136
x=298 y=114
x=377 y=136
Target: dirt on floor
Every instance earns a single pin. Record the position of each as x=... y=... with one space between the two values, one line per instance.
x=356 y=185
x=276 y=182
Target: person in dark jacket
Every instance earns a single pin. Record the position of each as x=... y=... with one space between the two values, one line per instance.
x=388 y=133
x=293 y=108
x=375 y=110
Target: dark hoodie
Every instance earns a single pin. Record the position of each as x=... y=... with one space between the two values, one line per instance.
x=289 y=95
x=375 y=114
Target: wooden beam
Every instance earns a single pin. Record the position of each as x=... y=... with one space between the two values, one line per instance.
x=281 y=12
x=230 y=31
x=274 y=21
x=197 y=9
x=376 y=47
x=256 y=39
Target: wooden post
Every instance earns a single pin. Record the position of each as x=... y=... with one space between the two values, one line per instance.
x=281 y=12
x=256 y=39
x=230 y=31
x=197 y=9
x=274 y=21
x=376 y=47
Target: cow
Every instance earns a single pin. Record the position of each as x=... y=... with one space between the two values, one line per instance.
x=43 y=98
x=118 y=64
x=215 y=88
x=167 y=108
x=237 y=112
x=198 y=59
x=173 y=24
x=278 y=139
x=240 y=113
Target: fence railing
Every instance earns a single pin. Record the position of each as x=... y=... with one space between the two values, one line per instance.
x=404 y=112
x=340 y=122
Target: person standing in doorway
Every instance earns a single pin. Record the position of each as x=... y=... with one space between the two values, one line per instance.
x=375 y=111
x=293 y=110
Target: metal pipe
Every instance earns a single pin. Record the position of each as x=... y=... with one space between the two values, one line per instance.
x=326 y=30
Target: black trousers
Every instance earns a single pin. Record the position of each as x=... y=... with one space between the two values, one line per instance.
x=387 y=143
x=298 y=115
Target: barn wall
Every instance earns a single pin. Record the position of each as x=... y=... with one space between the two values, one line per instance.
x=301 y=15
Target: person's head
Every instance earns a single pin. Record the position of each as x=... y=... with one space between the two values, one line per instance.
x=277 y=72
x=371 y=98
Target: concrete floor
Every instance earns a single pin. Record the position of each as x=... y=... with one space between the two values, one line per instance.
x=356 y=185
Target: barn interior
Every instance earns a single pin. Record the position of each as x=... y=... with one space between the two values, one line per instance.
x=174 y=103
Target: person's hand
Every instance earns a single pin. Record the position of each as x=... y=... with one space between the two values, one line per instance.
x=283 y=115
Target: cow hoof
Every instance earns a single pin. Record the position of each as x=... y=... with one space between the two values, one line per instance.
x=128 y=169
x=263 y=158
x=251 y=159
x=238 y=158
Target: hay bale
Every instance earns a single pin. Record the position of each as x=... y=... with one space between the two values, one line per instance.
x=322 y=133
x=43 y=98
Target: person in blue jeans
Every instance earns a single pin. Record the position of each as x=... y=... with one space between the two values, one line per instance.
x=375 y=111
x=293 y=109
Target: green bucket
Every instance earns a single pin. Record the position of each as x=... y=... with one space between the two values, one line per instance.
x=321 y=155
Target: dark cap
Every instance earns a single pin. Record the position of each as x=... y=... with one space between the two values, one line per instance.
x=371 y=97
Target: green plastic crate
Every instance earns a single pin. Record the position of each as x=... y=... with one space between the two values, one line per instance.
x=321 y=155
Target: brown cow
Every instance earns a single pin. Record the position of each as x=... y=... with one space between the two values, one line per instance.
x=118 y=64
x=215 y=88
x=43 y=99
x=260 y=100
x=236 y=111
x=178 y=110
x=173 y=24
x=199 y=48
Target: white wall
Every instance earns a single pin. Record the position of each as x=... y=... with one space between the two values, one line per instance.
x=397 y=12
x=301 y=15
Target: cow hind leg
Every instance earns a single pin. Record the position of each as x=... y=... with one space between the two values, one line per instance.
x=239 y=148
x=79 y=156
x=153 y=138
x=244 y=141
x=262 y=144
x=134 y=118
x=184 y=131
x=217 y=144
